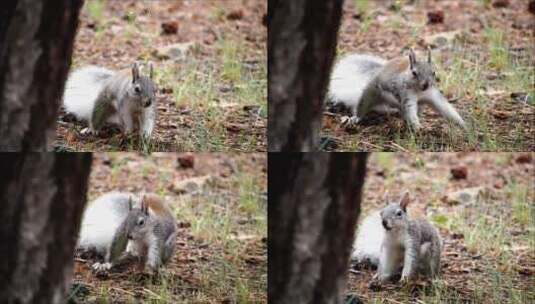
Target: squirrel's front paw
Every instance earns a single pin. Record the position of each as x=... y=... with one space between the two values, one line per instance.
x=88 y=131
x=349 y=122
x=101 y=266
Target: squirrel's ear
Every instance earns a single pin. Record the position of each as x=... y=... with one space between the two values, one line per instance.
x=412 y=58
x=428 y=54
x=151 y=71
x=386 y=198
x=144 y=205
x=135 y=72
x=404 y=201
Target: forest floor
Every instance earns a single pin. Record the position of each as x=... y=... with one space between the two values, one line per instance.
x=213 y=87
x=488 y=232
x=485 y=63
x=221 y=208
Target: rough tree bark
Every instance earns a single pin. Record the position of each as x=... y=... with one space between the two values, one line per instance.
x=314 y=202
x=42 y=195
x=36 y=42
x=301 y=47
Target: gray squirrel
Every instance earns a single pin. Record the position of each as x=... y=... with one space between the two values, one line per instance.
x=367 y=83
x=394 y=243
x=117 y=224
x=99 y=96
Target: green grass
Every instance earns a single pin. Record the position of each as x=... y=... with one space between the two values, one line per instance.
x=95 y=9
x=232 y=67
x=499 y=55
x=210 y=89
x=523 y=211
x=213 y=219
x=361 y=6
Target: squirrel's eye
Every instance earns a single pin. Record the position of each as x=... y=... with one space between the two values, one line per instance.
x=137 y=89
x=399 y=213
x=414 y=74
x=140 y=222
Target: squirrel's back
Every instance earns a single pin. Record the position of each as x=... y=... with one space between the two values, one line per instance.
x=350 y=77
x=82 y=89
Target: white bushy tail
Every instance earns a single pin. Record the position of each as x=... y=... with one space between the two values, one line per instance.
x=82 y=89
x=101 y=219
x=367 y=246
x=350 y=77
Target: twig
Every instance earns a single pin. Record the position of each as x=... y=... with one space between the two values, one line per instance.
x=152 y=293
x=123 y=290
x=393 y=144
x=371 y=145
x=355 y=271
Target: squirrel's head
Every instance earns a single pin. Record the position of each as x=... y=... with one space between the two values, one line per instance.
x=138 y=221
x=422 y=73
x=394 y=215
x=143 y=88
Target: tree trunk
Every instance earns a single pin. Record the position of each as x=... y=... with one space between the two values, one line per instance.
x=301 y=47
x=43 y=196
x=36 y=42
x=314 y=202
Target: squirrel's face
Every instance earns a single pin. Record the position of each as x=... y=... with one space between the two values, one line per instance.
x=423 y=76
x=137 y=224
x=394 y=217
x=144 y=91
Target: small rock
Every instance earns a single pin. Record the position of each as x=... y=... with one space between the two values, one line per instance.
x=251 y=108
x=499 y=184
x=190 y=185
x=184 y=224
x=106 y=160
x=236 y=127
x=328 y=143
x=524 y=23
x=500 y=3
x=457 y=236
x=186 y=160
x=166 y=90
x=226 y=88
x=523 y=159
x=177 y=51
x=170 y=27
x=435 y=17
x=443 y=39
x=459 y=172
x=502 y=115
x=521 y=97
x=235 y=15
x=464 y=196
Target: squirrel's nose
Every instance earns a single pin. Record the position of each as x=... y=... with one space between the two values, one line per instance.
x=385 y=224
x=129 y=236
x=148 y=103
x=425 y=86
